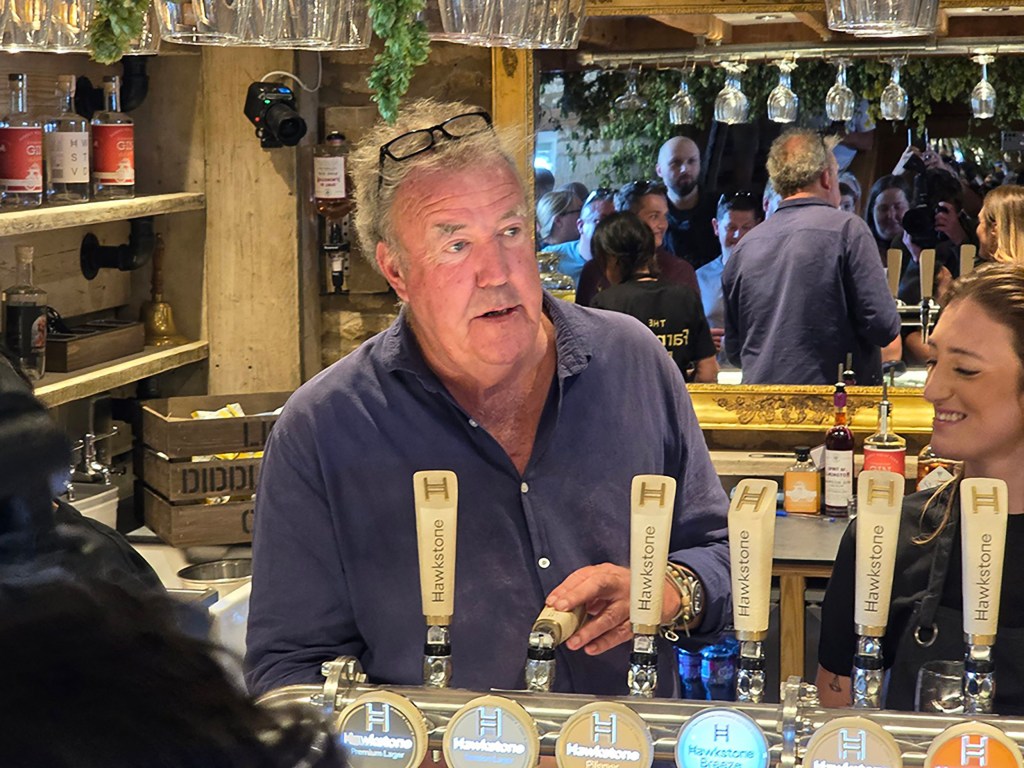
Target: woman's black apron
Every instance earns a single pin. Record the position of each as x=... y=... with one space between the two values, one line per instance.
x=936 y=632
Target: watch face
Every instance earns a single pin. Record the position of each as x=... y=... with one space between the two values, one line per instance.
x=696 y=596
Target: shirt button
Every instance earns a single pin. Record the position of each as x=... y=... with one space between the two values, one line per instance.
x=525 y=488
x=543 y=562
x=473 y=423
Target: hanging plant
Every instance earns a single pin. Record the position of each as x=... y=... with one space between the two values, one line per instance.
x=406 y=46
x=115 y=25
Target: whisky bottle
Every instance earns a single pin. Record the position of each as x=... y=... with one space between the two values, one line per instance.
x=113 y=147
x=838 y=459
x=25 y=317
x=885 y=450
x=802 y=484
x=21 y=151
x=66 y=145
x=332 y=188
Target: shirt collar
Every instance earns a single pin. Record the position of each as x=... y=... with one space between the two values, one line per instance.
x=573 y=343
x=801 y=201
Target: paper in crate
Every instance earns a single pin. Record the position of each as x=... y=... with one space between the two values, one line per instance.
x=188 y=461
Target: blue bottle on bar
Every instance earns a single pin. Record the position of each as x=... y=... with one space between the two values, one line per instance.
x=718 y=669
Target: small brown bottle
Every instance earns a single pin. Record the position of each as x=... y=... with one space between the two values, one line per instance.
x=933 y=470
x=802 y=484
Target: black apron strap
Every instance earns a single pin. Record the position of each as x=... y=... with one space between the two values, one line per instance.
x=925 y=628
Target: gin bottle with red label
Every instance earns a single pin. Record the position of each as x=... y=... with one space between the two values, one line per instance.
x=21 y=151
x=113 y=147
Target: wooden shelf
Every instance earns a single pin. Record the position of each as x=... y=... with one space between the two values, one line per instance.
x=83 y=214
x=60 y=388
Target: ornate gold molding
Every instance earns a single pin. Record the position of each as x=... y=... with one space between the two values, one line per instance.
x=512 y=103
x=789 y=408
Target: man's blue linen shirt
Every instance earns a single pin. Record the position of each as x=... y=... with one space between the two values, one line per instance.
x=803 y=289
x=335 y=563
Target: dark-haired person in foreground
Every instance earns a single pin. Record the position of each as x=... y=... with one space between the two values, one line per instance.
x=672 y=312
x=95 y=676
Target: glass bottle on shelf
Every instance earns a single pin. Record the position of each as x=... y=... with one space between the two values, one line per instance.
x=801 y=484
x=113 y=147
x=885 y=450
x=25 y=317
x=66 y=145
x=21 y=151
x=838 y=459
x=332 y=187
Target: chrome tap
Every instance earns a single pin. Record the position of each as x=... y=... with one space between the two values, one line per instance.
x=90 y=469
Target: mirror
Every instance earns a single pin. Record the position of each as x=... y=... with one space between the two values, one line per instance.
x=734 y=154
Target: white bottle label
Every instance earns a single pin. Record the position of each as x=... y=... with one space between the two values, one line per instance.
x=838 y=478
x=329 y=178
x=67 y=157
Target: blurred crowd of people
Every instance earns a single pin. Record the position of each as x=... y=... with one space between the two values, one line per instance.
x=927 y=202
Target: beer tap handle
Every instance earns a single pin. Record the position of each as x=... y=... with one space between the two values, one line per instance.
x=436 y=495
x=967 y=254
x=894 y=261
x=752 y=541
x=551 y=629
x=652 y=499
x=879 y=509
x=983 y=516
x=927 y=264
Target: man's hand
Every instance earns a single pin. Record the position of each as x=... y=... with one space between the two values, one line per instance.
x=717 y=334
x=604 y=590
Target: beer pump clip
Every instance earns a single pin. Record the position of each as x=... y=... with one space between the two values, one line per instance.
x=893 y=264
x=983 y=514
x=751 y=542
x=879 y=508
x=652 y=498
x=436 y=494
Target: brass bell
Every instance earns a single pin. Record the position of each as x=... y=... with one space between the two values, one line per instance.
x=157 y=314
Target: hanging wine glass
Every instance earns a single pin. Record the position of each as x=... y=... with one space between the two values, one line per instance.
x=732 y=105
x=783 y=104
x=682 y=109
x=631 y=100
x=840 y=102
x=983 y=97
x=894 y=101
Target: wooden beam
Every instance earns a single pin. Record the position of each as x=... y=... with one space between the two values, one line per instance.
x=677 y=7
x=512 y=79
x=705 y=25
x=816 y=21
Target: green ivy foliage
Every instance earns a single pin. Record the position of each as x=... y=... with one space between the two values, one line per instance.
x=588 y=117
x=406 y=46
x=115 y=24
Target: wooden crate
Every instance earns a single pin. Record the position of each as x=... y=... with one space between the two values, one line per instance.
x=174 y=487
x=189 y=525
x=168 y=426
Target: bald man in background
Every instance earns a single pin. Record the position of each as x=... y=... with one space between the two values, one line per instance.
x=690 y=233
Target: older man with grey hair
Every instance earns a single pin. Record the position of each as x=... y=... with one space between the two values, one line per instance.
x=516 y=392
x=805 y=289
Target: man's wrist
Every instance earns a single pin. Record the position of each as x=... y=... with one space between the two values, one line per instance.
x=691 y=597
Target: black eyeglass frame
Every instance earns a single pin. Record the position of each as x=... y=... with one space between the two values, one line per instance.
x=432 y=132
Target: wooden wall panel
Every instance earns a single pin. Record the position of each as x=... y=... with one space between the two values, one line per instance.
x=252 y=285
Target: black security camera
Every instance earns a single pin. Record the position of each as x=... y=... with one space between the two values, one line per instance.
x=271 y=108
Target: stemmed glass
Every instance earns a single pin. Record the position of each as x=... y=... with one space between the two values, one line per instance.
x=783 y=104
x=893 y=105
x=732 y=105
x=983 y=97
x=840 y=102
x=631 y=100
x=682 y=109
